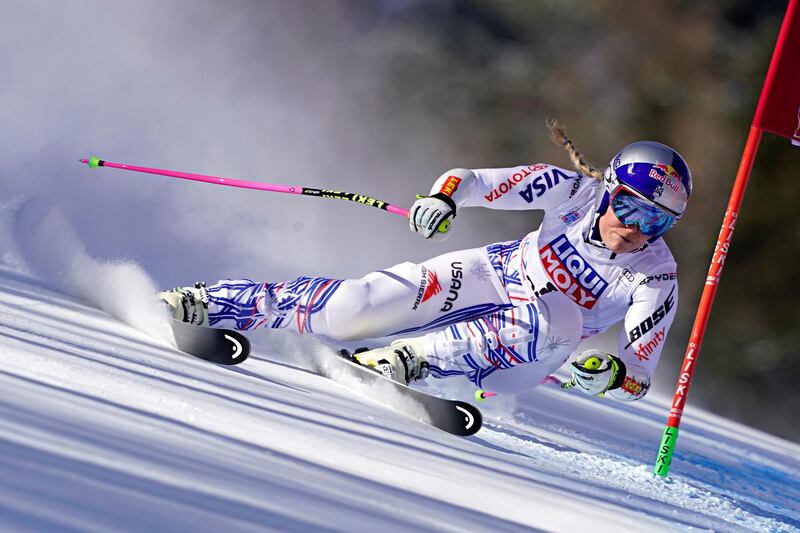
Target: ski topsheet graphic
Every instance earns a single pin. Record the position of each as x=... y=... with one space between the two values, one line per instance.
x=221 y=346
x=453 y=416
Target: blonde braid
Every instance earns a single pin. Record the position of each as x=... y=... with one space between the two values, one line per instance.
x=559 y=137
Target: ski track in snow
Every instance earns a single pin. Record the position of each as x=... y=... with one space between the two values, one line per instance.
x=103 y=427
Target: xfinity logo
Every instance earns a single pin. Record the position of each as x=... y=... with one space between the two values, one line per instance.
x=646 y=350
x=571 y=273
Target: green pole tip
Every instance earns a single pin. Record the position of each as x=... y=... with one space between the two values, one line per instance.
x=444 y=226
x=481 y=395
x=665 y=452
x=94 y=162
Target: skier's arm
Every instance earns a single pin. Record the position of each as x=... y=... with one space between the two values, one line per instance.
x=537 y=186
x=627 y=376
x=644 y=333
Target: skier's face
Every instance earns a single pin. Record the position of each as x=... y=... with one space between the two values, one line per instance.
x=618 y=237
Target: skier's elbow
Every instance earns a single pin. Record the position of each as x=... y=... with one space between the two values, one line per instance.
x=461 y=173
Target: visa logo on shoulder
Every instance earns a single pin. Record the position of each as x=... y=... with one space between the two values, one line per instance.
x=543 y=183
x=571 y=273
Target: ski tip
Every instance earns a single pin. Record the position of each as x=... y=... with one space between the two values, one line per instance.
x=468 y=425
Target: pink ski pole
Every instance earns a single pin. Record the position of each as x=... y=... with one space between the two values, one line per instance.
x=95 y=162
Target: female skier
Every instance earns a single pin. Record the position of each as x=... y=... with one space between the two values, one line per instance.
x=507 y=315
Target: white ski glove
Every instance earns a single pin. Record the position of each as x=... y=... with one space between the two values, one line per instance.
x=595 y=372
x=432 y=215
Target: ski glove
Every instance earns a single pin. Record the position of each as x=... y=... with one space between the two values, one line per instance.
x=595 y=372
x=431 y=215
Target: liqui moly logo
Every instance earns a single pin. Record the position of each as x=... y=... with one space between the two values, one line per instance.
x=571 y=273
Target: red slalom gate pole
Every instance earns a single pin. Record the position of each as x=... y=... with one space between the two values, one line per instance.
x=670 y=436
x=778 y=109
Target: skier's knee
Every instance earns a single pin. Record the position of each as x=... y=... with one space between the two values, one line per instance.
x=349 y=313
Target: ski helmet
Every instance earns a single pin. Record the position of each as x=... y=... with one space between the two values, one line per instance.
x=648 y=184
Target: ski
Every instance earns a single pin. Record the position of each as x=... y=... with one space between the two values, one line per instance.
x=453 y=416
x=230 y=347
x=221 y=346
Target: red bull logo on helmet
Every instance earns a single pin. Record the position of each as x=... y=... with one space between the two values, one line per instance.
x=667 y=175
x=669 y=170
x=571 y=273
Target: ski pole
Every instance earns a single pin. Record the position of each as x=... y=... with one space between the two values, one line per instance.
x=95 y=162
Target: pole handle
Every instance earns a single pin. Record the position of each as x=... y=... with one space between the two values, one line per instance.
x=444 y=225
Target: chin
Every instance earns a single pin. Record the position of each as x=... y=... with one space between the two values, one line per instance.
x=622 y=247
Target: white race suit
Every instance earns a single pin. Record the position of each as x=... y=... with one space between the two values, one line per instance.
x=504 y=316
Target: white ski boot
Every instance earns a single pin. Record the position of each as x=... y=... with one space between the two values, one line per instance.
x=188 y=304
x=403 y=361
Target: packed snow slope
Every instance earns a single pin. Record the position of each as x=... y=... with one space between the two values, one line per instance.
x=105 y=427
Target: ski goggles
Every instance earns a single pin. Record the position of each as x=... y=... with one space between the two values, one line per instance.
x=632 y=208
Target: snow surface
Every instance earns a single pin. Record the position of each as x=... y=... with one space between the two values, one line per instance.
x=105 y=427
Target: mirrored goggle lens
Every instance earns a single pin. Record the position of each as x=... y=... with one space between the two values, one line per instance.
x=631 y=209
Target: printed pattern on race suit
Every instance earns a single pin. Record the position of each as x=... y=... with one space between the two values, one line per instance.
x=491 y=324
x=566 y=255
x=405 y=298
x=533 y=340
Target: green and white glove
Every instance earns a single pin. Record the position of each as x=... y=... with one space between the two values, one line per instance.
x=595 y=372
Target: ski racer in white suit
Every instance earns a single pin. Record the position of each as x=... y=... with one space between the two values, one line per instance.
x=507 y=315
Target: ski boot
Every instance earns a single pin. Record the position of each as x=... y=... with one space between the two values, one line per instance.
x=403 y=361
x=188 y=304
